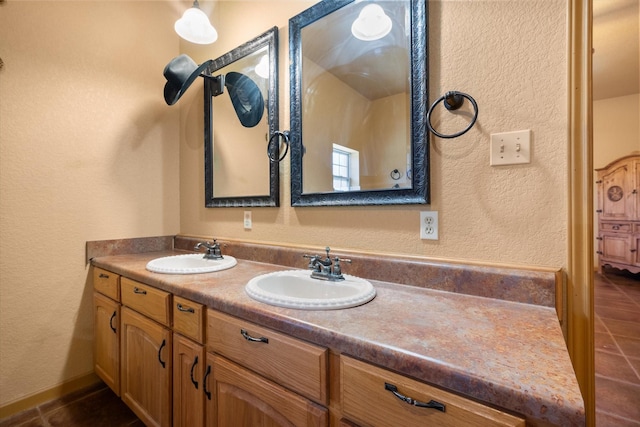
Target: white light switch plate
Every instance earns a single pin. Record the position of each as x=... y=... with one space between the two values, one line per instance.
x=510 y=148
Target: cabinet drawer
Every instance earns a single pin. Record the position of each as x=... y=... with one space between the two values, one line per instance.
x=188 y=318
x=618 y=227
x=107 y=283
x=147 y=300
x=367 y=401
x=295 y=364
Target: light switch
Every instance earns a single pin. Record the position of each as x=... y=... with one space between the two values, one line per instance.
x=510 y=148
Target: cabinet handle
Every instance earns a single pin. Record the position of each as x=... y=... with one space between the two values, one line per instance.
x=599 y=182
x=111 y=322
x=432 y=404
x=599 y=210
x=616 y=227
x=248 y=337
x=185 y=309
x=204 y=382
x=164 y=342
x=103 y=276
x=635 y=191
x=195 y=362
x=599 y=252
x=633 y=250
x=598 y=238
x=137 y=290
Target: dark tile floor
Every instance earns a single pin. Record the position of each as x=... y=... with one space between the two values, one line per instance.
x=617 y=360
x=617 y=348
x=96 y=406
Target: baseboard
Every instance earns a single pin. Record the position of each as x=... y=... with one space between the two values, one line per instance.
x=55 y=392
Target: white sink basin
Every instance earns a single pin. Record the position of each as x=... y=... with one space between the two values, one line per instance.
x=189 y=264
x=296 y=289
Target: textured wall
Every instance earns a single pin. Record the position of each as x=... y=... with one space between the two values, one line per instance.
x=512 y=57
x=616 y=128
x=88 y=151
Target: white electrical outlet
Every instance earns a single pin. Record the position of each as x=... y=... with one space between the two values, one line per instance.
x=247 y=220
x=429 y=225
x=510 y=148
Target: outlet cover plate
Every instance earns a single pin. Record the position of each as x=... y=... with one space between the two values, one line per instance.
x=429 y=225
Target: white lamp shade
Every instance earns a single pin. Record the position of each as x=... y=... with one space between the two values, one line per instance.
x=372 y=23
x=194 y=26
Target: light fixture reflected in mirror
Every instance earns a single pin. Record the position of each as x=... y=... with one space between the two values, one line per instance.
x=371 y=24
x=194 y=26
x=262 y=69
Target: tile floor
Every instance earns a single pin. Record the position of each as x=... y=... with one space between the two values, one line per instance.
x=95 y=406
x=617 y=359
x=617 y=348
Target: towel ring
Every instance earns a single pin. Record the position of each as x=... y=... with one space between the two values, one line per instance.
x=452 y=101
x=275 y=158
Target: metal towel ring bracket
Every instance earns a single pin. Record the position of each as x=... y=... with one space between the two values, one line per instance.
x=274 y=157
x=452 y=101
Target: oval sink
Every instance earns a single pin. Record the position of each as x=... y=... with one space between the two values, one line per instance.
x=296 y=289
x=189 y=264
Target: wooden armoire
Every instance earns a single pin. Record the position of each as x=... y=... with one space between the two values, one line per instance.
x=618 y=214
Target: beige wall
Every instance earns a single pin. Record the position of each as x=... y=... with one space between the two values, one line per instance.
x=514 y=66
x=88 y=151
x=616 y=128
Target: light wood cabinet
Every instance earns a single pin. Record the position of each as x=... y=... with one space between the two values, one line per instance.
x=619 y=214
x=146 y=367
x=245 y=399
x=297 y=365
x=372 y=396
x=189 y=362
x=188 y=387
x=106 y=343
x=276 y=380
x=106 y=317
x=174 y=362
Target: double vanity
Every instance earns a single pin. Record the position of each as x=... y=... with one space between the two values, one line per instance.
x=197 y=349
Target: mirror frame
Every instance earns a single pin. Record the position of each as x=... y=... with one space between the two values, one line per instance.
x=270 y=39
x=419 y=193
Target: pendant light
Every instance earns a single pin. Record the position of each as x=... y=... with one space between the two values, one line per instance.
x=372 y=23
x=194 y=26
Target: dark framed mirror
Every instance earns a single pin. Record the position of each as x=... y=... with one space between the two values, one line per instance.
x=358 y=103
x=241 y=113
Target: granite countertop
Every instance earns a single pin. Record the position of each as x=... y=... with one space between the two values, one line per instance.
x=507 y=354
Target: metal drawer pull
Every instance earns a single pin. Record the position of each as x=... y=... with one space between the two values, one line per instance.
x=164 y=342
x=248 y=337
x=137 y=290
x=103 y=276
x=204 y=382
x=432 y=404
x=111 y=322
x=616 y=227
x=195 y=362
x=185 y=309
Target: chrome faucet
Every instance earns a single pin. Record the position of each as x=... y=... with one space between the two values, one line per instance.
x=325 y=268
x=213 y=250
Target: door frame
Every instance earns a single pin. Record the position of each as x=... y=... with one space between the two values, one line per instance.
x=580 y=265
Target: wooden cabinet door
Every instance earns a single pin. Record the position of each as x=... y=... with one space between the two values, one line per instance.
x=245 y=399
x=616 y=248
x=188 y=394
x=146 y=363
x=616 y=199
x=106 y=345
